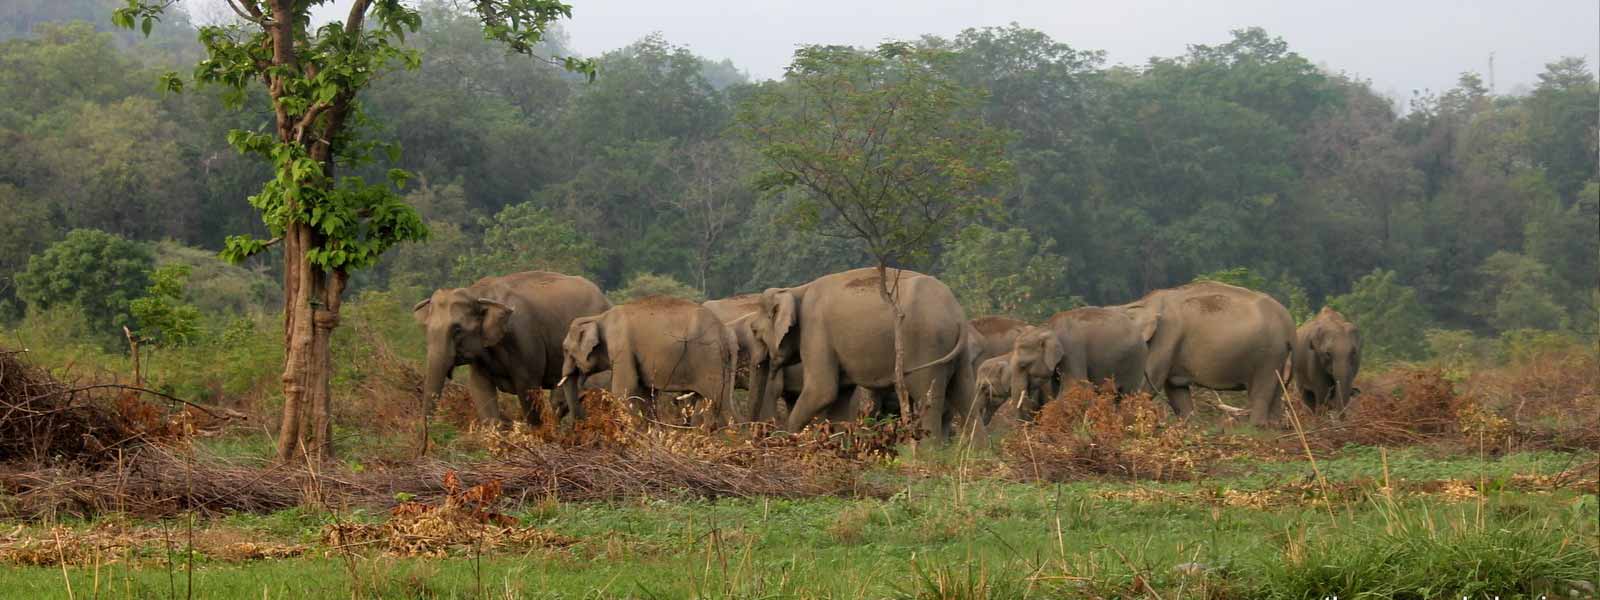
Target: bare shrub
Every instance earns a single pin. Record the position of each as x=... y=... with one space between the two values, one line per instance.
x=1087 y=432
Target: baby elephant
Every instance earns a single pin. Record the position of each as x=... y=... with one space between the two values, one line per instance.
x=1327 y=355
x=994 y=385
x=656 y=344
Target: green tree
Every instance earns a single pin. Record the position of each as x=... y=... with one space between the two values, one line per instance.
x=1564 y=124
x=97 y=272
x=29 y=229
x=118 y=168
x=1517 y=294
x=1565 y=241
x=883 y=146
x=1006 y=272
x=163 y=317
x=524 y=237
x=1392 y=322
x=327 y=224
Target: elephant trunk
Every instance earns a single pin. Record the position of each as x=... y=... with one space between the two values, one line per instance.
x=1344 y=375
x=441 y=362
x=571 y=385
x=768 y=381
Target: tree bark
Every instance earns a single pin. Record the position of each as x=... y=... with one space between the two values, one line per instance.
x=298 y=341
x=901 y=394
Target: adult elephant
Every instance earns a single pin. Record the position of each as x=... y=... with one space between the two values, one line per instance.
x=1217 y=336
x=738 y=312
x=1327 y=354
x=995 y=336
x=508 y=330
x=1090 y=344
x=656 y=344
x=840 y=331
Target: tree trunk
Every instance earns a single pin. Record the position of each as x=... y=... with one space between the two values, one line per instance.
x=901 y=394
x=298 y=340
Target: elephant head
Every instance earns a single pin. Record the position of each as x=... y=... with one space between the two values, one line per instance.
x=584 y=349
x=995 y=386
x=776 y=328
x=459 y=327
x=1336 y=348
x=1035 y=361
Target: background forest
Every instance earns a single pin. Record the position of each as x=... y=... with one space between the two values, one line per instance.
x=1458 y=225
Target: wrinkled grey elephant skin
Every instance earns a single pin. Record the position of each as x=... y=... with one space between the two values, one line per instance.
x=737 y=312
x=1089 y=345
x=1327 y=356
x=1216 y=336
x=657 y=344
x=995 y=384
x=508 y=330
x=995 y=336
x=840 y=332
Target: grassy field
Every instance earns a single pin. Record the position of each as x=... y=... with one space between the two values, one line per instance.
x=1264 y=531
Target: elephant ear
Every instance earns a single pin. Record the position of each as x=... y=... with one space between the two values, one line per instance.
x=588 y=330
x=1053 y=352
x=1146 y=320
x=421 y=310
x=496 y=320
x=780 y=307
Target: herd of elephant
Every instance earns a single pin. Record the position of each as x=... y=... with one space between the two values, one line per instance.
x=826 y=350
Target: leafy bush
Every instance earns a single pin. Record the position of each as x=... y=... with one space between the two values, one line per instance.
x=1389 y=315
x=651 y=284
x=95 y=271
x=164 y=318
x=217 y=288
x=1009 y=272
x=524 y=237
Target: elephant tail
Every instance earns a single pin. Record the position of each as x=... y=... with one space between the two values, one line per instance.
x=961 y=343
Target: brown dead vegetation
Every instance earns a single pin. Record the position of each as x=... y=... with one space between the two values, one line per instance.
x=1088 y=432
x=605 y=456
x=1549 y=402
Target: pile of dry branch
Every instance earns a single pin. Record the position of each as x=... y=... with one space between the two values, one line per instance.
x=601 y=458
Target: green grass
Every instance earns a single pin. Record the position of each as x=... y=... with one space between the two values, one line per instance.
x=941 y=537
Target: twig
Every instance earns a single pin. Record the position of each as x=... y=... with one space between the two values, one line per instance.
x=135 y=388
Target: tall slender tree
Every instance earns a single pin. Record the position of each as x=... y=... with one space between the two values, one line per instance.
x=325 y=224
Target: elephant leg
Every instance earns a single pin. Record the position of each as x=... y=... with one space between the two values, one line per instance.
x=1181 y=400
x=530 y=409
x=963 y=392
x=848 y=407
x=1265 y=396
x=820 y=391
x=625 y=387
x=484 y=397
x=718 y=410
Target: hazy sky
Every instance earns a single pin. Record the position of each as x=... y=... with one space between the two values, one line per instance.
x=1399 y=44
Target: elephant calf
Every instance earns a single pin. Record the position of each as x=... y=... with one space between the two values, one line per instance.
x=656 y=344
x=995 y=335
x=1327 y=354
x=995 y=385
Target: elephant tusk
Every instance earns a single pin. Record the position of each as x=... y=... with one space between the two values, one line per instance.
x=562 y=382
x=685 y=396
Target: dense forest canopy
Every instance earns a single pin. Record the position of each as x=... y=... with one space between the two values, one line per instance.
x=1242 y=161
